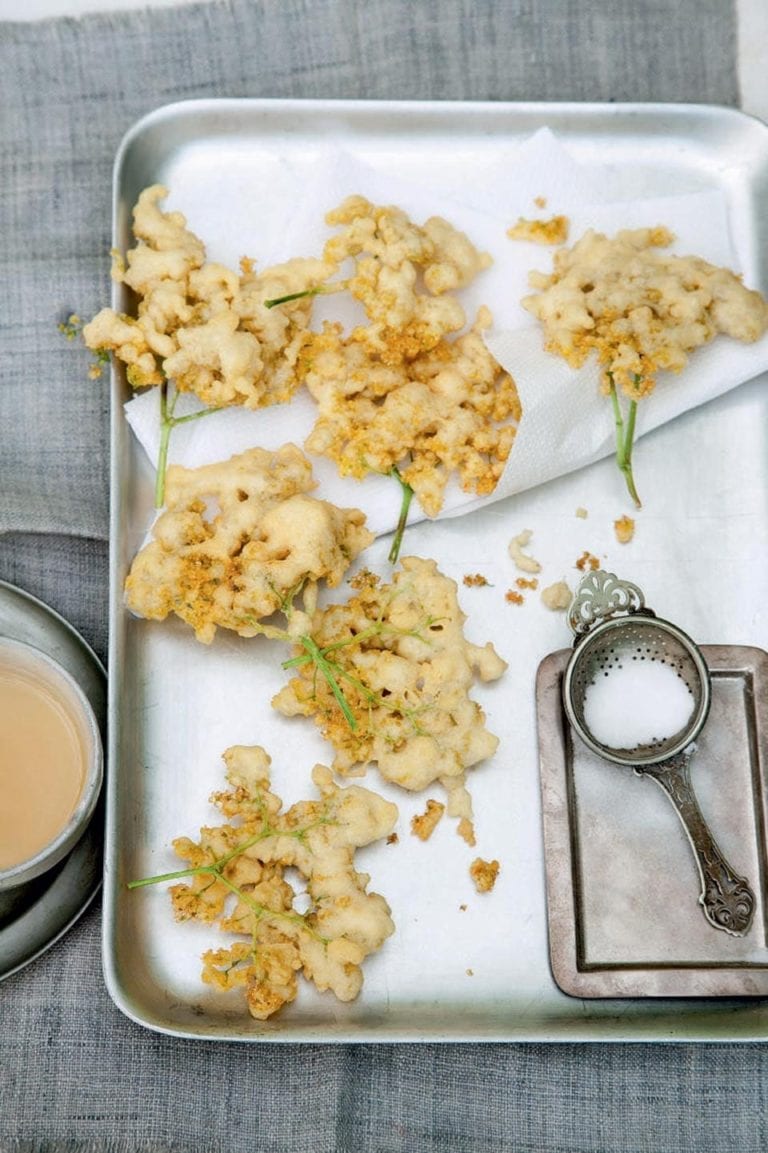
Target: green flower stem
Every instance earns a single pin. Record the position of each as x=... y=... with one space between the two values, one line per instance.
x=318 y=290
x=405 y=505
x=178 y=875
x=167 y=423
x=625 y=435
x=326 y=670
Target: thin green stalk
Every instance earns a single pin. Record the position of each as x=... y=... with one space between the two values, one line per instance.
x=167 y=423
x=625 y=435
x=165 y=438
x=326 y=670
x=318 y=290
x=405 y=505
x=178 y=875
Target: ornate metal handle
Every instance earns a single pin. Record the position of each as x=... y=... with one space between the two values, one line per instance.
x=726 y=898
x=601 y=595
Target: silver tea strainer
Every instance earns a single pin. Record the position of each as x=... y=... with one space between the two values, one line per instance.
x=616 y=631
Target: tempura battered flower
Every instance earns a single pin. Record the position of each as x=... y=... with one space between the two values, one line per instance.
x=402 y=391
x=395 y=262
x=438 y=413
x=399 y=654
x=238 y=540
x=237 y=878
x=640 y=311
x=201 y=324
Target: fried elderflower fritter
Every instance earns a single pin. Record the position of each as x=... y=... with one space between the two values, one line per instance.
x=239 y=540
x=236 y=877
x=200 y=324
x=640 y=310
x=398 y=653
x=403 y=390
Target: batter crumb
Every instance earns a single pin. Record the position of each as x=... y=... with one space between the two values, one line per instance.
x=552 y=231
x=466 y=831
x=523 y=561
x=624 y=528
x=423 y=824
x=587 y=562
x=484 y=874
x=556 y=597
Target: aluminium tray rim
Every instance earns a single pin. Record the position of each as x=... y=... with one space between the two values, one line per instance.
x=567 y=1029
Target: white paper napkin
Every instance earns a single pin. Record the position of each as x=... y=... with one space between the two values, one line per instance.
x=567 y=423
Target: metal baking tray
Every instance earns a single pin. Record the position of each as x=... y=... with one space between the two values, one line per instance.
x=460 y=966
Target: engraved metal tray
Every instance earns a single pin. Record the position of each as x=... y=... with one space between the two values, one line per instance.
x=622 y=886
x=461 y=966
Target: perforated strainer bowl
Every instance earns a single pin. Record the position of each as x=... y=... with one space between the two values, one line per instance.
x=615 y=630
x=619 y=643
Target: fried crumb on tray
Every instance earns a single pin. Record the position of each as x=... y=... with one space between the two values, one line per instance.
x=624 y=529
x=474 y=580
x=523 y=560
x=424 y=824
x=484 y=874
x=557 y=597
x=587 y=562
x=513 y=597
x=552 y=231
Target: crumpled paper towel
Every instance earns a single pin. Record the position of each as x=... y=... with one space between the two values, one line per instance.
x=567 y=424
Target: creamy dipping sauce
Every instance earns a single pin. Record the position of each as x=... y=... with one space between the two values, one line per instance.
x=43 y=760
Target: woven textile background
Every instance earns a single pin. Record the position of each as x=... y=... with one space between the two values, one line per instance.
x=74 y=1073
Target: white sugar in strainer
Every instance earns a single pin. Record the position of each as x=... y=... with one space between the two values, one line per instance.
x=620 y=642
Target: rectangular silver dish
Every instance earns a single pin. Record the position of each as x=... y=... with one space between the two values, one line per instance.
x=460 y=966
x=622 y=886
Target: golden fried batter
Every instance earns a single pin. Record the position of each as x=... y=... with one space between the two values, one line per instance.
x=200 y=324
x=402 y=389
x=484 y=874
x=240 y=882
x=238 y=540
x=398 y=654
x=431 y=414
x=552 y=231
x=638 y=309
x=624 y=527
x=424 y=824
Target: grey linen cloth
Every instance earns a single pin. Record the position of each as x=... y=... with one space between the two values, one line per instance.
x=75 y=1074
